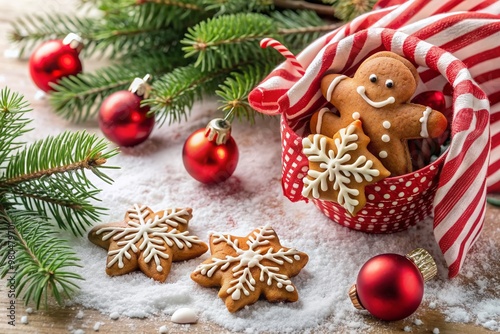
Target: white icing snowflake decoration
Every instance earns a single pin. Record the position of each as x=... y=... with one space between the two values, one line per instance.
x=260 y=264
x=336 y=167
x=147 y=236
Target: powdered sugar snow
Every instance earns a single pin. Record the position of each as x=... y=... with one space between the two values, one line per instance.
x=153 y=174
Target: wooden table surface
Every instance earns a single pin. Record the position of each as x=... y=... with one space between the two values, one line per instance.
x=14 y=73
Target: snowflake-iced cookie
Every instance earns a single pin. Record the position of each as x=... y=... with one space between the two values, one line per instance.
x=247 y=267
x=147 y=241
x=379 y=95
x=341 y=167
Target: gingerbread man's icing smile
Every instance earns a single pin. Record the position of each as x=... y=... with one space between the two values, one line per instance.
x=378 y=95
x=362 y=92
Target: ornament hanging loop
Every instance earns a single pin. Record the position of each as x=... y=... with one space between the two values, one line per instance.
x=140 y=87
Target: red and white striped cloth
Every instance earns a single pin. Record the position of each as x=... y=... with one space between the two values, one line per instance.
x=454 y=44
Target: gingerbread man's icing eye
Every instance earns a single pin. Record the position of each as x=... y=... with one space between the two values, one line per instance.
x=373 y=78
x=389 y=83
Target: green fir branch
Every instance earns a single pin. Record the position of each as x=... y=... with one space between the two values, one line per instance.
x=175 y=93
x=299 y=29
x=235 y=89
x=13 y=123
x=221 y=7
x=77 y=98
x=227 y=40
x=35 y=258
x=30 y=30
x=49 y=176
x=230 y=39
x=347 y=10
x=133 y=27
x=148 y=27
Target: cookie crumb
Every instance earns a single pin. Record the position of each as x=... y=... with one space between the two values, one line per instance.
x=418 y=322
x=24 y=319
x=163 y=330
x=79 y=315
x=114 y=315
x=407 y=329
x=435 y=331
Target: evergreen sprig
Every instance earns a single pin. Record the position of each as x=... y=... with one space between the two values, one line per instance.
x=32 y=253
x=216 y=45
x=221 y=7
x=174 y=93
x=13 y=123
x=40 y=182
x=30 y=30
x=236 y=87
x=49 y=176
x=216 y=38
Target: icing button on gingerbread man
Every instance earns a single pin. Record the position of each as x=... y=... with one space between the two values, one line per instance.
x=379 y=95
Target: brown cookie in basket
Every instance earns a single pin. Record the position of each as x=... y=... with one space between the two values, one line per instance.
x=341 y=167
x=246 y=268
x=379 y=95
x=147 y=241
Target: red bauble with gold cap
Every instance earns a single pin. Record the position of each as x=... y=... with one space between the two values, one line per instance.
x=210 y=155
x=122 y=119
x=391 y=286
x=54 y=60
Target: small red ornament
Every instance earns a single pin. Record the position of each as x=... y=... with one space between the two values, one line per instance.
x=54 y=60
x=433 y=99
x=122 y=119
x=210 y=155
x=391 y=286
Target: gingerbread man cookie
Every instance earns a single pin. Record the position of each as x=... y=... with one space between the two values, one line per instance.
x=379 y=95
x=148 y=241
x=247 y=267
x=341 y=167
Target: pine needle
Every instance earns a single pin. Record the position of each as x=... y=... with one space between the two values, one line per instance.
x=13 y=123
x=37 y=259
x=49 y=176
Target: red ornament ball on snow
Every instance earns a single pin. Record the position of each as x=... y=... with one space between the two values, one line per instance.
x=54 y=60
x=391 y=286
x=123 y=121
x=210 y=155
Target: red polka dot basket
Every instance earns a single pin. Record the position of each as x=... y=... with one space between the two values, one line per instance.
x=392 y=204
x=395 y=203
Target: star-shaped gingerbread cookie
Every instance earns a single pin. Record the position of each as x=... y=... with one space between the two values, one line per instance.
x=246 y=268
x=379 y=95
x=147 y=241
x=341 y=167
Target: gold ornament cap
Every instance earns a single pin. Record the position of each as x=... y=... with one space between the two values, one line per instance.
x=140 y=87
x=218 y=131
x=353 y=294
x=424 y=262
x=74 y=41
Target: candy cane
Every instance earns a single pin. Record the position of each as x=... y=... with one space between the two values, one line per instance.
x=284 y=51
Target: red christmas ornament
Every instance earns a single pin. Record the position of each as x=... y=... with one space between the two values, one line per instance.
x=122 y=119
x=391 y=286
x=210 y=155
x=433 y=99
x=54 y=60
